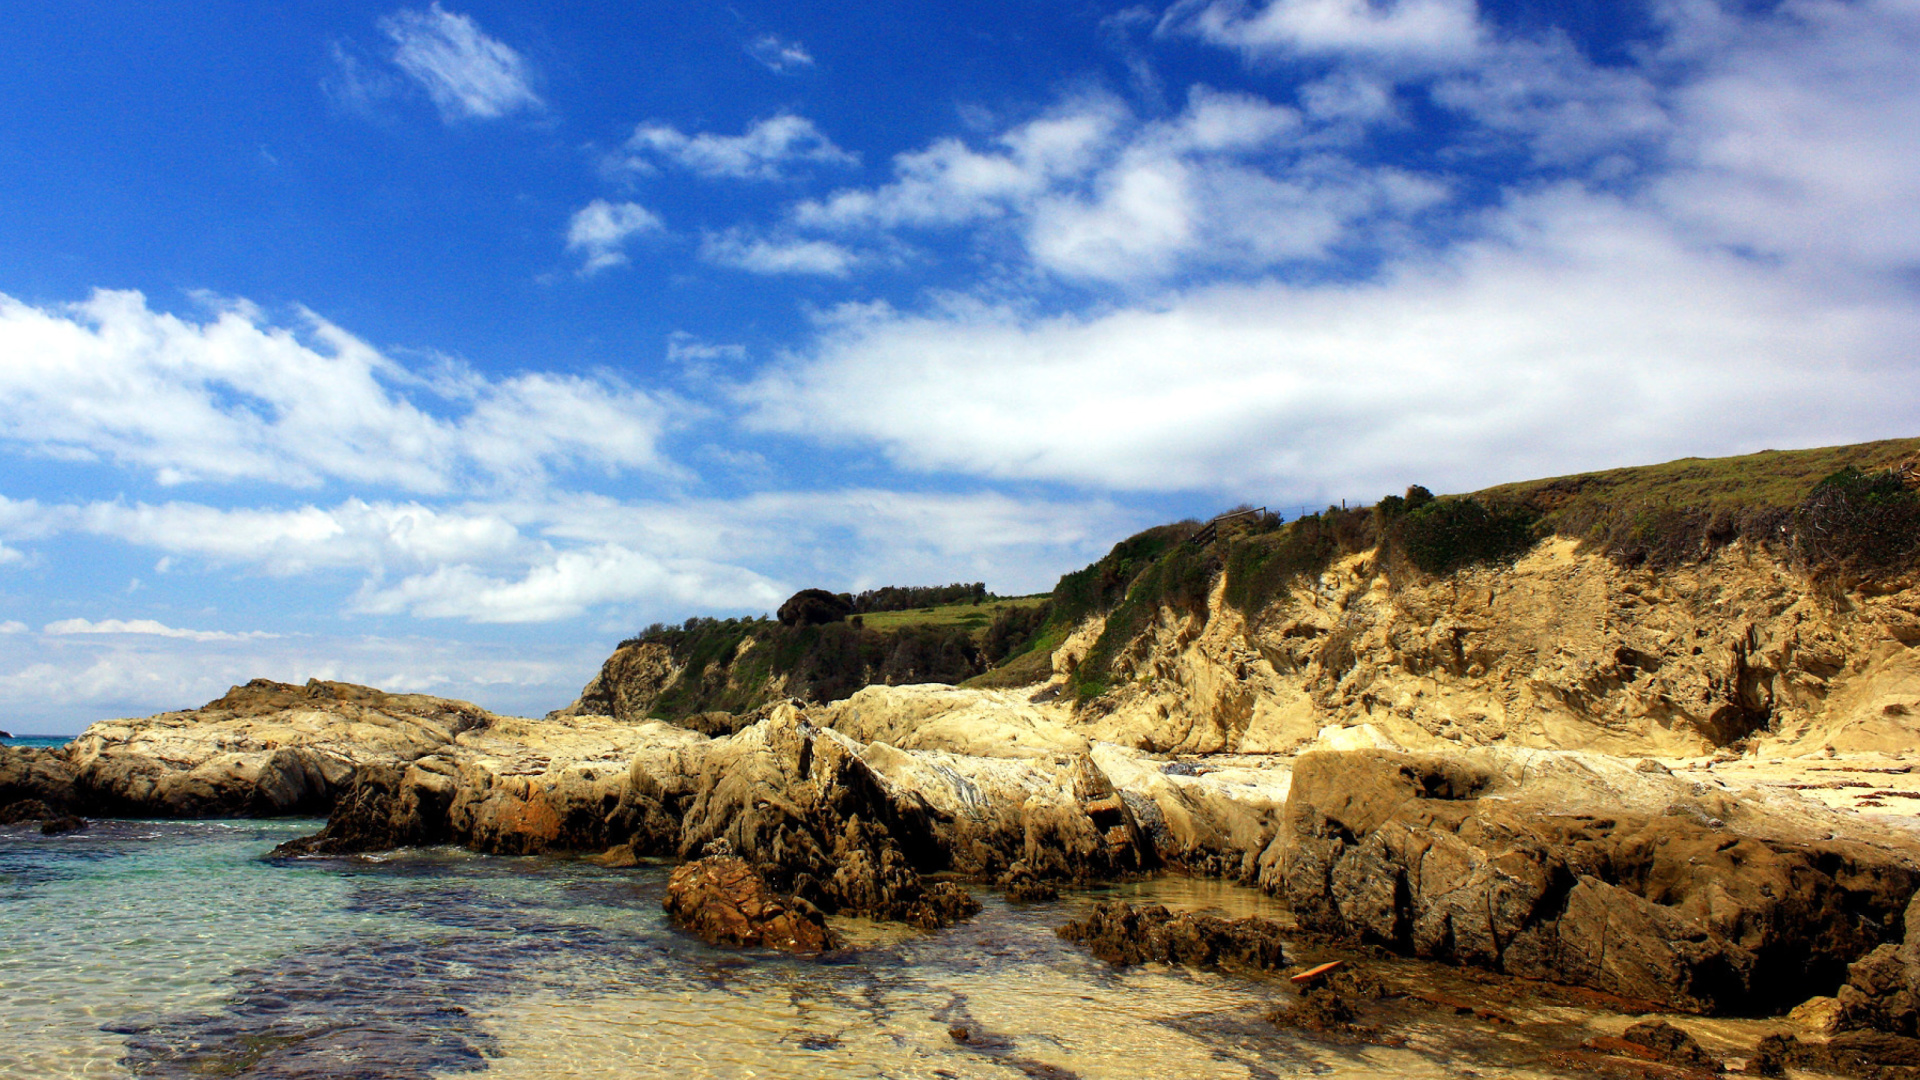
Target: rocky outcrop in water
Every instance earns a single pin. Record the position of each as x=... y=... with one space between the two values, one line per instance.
x=1122 y=934
x=264 y=748
x=1455 y=860
x=726 y=902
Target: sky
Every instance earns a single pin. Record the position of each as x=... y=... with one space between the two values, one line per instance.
x=440 y=347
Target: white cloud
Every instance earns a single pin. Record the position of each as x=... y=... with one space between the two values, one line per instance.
x=237 y=398
x=951 y=184
x=760 y=255
x=1424 y=30
x=12 y=627
x=600 y=230
x=145 y=626
x=1452 y=371
x=779 y=56
x=354 y=535
x=1092 y=193
x=765 y=151
x=565 y=584
x=1802 y=134
x=468 y=74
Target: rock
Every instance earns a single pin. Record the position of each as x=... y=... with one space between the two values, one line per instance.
x=35 y=774
x=627 y=684
x=265 y=748
x=1882 y=991
x=1870 y=1055
x=21 y=811
x=1670 y=1045
x=1820 y=1014
x=1122 y=934
x=724 y=901
x=518 y=787
x=1419 y=855
x=812 y=607
x=64 y=823
x=814 y=819
x=1022 y=886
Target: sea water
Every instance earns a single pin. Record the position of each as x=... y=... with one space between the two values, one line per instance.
x=36 y=740
x=176 y=949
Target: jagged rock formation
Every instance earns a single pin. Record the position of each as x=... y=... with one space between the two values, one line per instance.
x=1709 y=904
x=1563 y=649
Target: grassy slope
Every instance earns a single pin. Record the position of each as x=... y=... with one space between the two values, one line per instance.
x=1770 y=479
x=973 y=616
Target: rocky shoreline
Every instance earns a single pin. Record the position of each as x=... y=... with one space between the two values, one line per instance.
x=1677 y=793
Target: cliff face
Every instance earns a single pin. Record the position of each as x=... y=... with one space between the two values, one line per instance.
x=1561 y=649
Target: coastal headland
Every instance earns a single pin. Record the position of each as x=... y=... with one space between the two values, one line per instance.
x=1647 y=736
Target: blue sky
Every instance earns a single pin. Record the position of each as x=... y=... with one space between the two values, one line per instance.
x=441 y=346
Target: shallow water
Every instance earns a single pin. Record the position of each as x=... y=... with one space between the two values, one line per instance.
x=171 y=949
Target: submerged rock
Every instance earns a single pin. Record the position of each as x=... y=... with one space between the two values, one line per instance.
x=724 y=901
x=1122 y=934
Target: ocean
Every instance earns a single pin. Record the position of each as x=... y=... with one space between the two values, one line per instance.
x=174 y=949
x=36 y=740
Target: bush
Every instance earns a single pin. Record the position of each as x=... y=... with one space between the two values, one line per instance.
x=1444 y=535
x=1859 y=521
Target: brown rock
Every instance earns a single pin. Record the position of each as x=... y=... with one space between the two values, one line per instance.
x=724 y=901
x=1122 y=934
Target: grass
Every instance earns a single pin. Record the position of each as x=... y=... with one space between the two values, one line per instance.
x=969 y=616
x=1772 y=479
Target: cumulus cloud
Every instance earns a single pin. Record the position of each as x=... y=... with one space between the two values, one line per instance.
x=765 y=151
x=778 y=55
x=1457 y=370
x=564 y=584
x=469 y=75
x=1425 y=30
x=13 y=627
x=237 y=398
x=600 y=230
x=145 y=626
x=760 y=255
x=1091 y=192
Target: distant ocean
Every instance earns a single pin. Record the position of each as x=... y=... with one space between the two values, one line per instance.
x=36 y=740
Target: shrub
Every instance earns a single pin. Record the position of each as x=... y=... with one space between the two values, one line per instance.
x=1859 y=521
x=1444 y=535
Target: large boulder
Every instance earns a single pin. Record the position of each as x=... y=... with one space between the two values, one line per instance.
x=814 y=820
x=262 y=749
x=38 y=775
x=726 y=902
x=1450 y=860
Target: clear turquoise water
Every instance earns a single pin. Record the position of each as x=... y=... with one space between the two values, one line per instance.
x=172 y=949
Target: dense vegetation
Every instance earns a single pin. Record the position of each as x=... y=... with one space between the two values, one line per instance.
x=732 y=665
